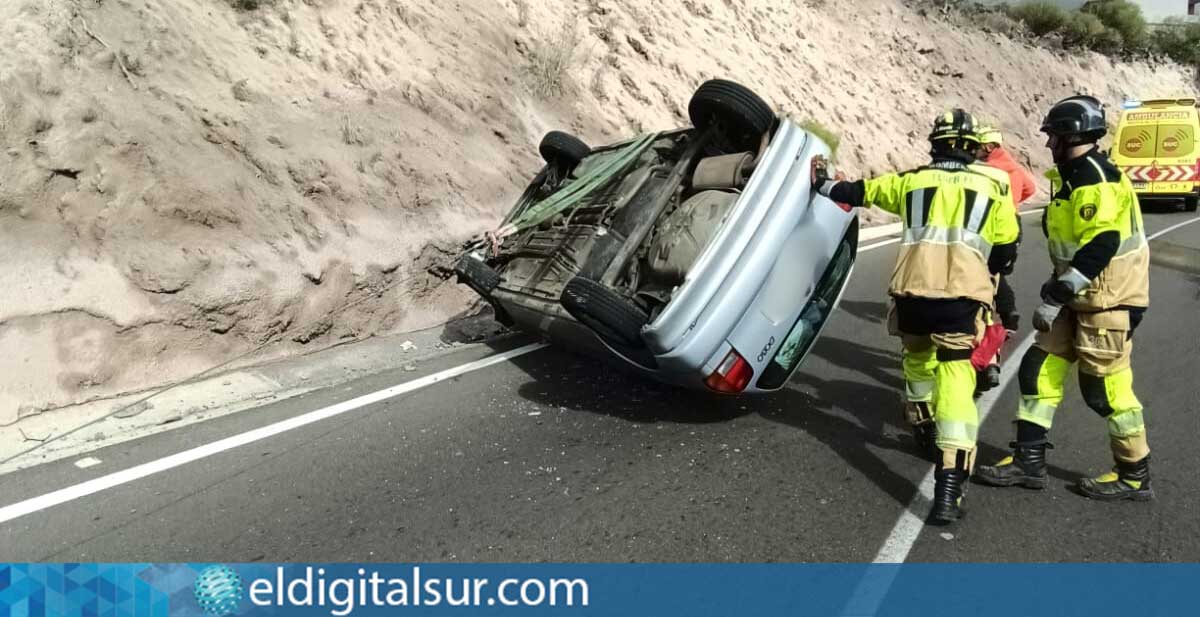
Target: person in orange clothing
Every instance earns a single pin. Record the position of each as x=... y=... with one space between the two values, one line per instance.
x=993 y=153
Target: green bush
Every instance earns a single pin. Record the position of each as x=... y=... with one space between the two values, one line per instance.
x=1040 y=16
x=1178 y=40
x=825 y=133
x=1083 y=30
x=1110 y=43
x=1122 y=16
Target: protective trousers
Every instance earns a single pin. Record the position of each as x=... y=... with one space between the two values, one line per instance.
x=938 y=372
x=1102 y=344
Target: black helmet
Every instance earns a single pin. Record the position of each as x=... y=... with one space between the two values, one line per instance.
x=957 y=127
x=1079 y=119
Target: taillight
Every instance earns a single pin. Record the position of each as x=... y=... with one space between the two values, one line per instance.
x=1196 y=173
x=732 y=375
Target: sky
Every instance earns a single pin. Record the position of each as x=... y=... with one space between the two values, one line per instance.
x=1158 y=9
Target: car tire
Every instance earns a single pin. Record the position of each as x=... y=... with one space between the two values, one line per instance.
x=1189 y=203
x=477 y=275
x=609 y=314
x=741 y=115
x=563 y=150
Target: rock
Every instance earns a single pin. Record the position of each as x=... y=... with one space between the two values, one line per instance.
x=407 y=346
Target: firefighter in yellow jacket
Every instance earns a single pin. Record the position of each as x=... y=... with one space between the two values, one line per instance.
x=960 y=227
x=1097 y=295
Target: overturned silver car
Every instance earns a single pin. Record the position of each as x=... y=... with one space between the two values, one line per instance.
x=698 y=255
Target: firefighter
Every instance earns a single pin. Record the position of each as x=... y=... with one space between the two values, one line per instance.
x=1097 y=295
x=1022 y=185
x=959 y=228
x=993 y=153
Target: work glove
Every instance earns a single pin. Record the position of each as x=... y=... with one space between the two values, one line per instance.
x=1045 y=315
x=821 y=181
x=1055 y=293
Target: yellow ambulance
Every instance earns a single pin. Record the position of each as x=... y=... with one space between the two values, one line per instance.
x=1157 y=144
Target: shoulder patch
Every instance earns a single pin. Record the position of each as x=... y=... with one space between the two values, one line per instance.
x=1087 y=212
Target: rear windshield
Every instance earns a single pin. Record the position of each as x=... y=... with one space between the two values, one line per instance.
x=813 y=317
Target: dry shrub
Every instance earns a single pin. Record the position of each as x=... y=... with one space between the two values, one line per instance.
x=522 y=13
x=551 y=59
x=1002 y=24
x=826 y=134
x=352 y=133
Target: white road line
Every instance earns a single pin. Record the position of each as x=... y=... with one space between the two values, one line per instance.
x=1172 y=228
x=895 y=549
x=55 y=498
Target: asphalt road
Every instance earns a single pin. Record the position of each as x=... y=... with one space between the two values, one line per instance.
x=553 y=457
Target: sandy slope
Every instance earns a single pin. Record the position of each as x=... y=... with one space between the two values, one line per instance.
x=208 y=179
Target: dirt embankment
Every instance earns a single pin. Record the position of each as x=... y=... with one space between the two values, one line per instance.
x=183 y=181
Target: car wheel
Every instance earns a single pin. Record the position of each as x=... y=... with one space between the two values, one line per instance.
x=607 y=313
x=1189 y=204
x=738 y=112
x=563 y=150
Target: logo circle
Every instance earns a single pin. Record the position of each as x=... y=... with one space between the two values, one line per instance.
x=1133 y=145
x=218 y=590
x=1170 y=144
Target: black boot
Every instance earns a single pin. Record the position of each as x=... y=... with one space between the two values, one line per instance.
x=987 y=379
x=949 y=484
x=1125 y=481
x=1026 y=466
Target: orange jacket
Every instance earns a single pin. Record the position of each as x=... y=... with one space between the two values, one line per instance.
x=1023 y=183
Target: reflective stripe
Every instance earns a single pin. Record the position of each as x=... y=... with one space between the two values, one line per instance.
x=1035 y=410
x=918 y=391
x=917 y=218
x=979 y=210
x=1099 y=172
x=957 y=434
x=1131 y=244
x=952 y=235
x=1126 y=424
x=1062 y=251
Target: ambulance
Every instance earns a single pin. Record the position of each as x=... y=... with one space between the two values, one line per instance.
x=1157 y=145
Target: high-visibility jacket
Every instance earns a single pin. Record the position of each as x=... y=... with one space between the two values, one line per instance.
x=953 y=214
x=1090 y=196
